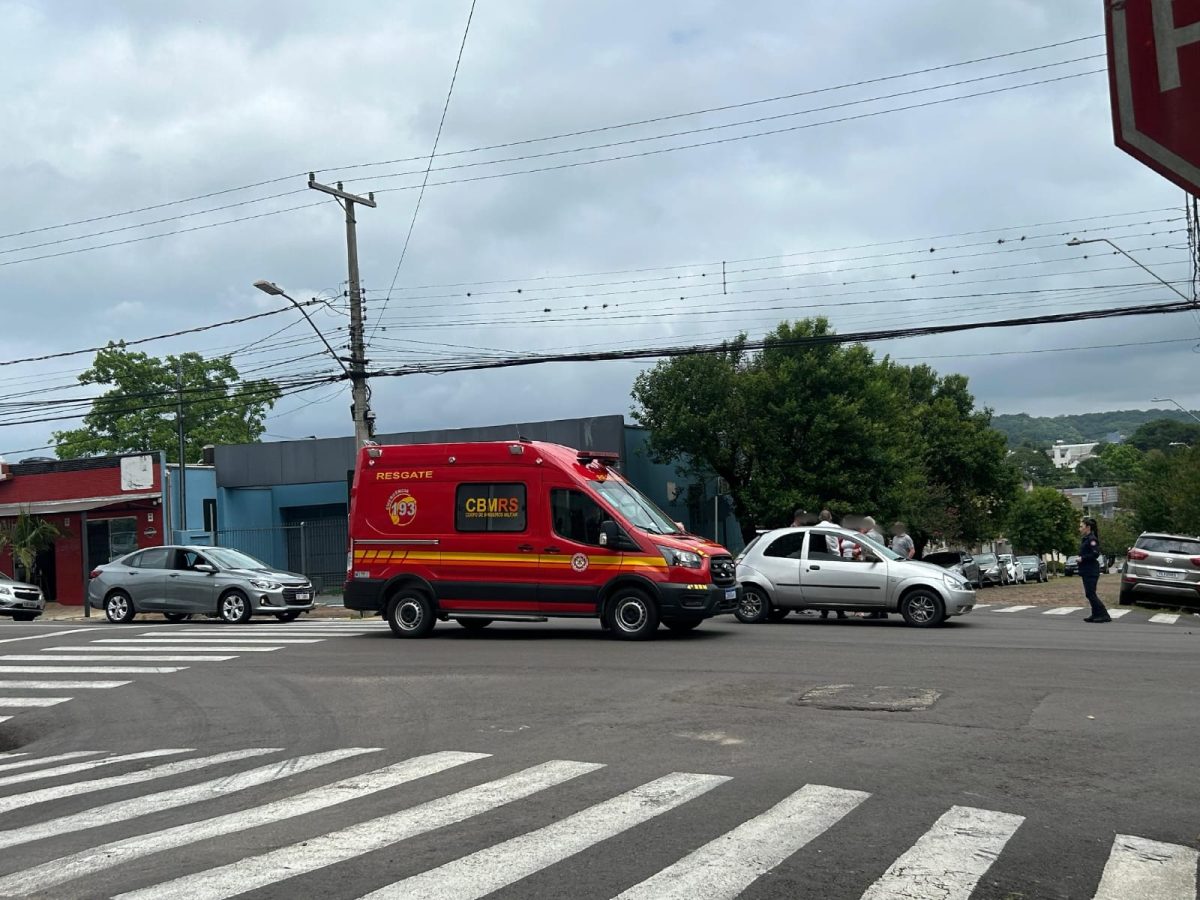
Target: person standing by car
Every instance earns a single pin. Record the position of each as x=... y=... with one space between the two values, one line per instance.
x=867 y=529
x=1089 y=569
x=833 y=545
x=901 y=542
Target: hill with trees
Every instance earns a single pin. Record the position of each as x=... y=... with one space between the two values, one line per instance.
x=1021 y=428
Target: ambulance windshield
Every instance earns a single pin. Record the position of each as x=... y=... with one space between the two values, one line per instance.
x=635 y=506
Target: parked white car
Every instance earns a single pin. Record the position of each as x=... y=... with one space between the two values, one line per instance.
x=1016 y=571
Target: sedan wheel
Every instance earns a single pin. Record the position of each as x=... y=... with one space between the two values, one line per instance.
x=922 y=609
x=755 y=606
x=235 y=608
x=118 y=607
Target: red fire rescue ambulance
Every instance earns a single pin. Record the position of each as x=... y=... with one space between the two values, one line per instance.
x=521 y=531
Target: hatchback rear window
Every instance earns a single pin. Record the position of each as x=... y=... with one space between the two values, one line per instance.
x=1182 y=546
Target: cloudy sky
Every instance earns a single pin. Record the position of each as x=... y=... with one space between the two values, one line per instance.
x=136 y=104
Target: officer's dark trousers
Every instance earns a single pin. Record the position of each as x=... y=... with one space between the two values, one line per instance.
x=1089 y=591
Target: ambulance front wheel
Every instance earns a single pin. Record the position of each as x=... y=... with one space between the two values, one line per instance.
x=632 y=615
x=410 y=614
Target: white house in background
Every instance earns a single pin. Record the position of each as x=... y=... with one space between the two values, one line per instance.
x=1068 y=456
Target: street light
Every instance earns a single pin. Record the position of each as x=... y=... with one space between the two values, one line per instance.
x=1076 y=242
x=274 y=290
x=1186 y=411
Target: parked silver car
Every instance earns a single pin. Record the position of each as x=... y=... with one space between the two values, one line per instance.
x=798 y=568
x=183 y=581
x=24 y=602
x=1163 y=567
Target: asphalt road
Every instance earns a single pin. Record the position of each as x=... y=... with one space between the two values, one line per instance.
x=997 y=757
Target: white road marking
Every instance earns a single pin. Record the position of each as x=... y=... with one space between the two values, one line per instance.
x=92 y=670
x=60 y=685
x=26 y=763
x=1117 y=613
x=34 y=637
x=115 y=654
x=983 y=605
x=1062 y=610
x=723 y=868
x=124 y=810
x=954 y=854
x=488 y=870
x=14 y=702
x=225 y=640
x=1148 y=870
x=1012 y=609
x=173 y=648
x=96 y=859
x=249 y=632
x=87 y=766
x=364 y=837
x=1165 y=619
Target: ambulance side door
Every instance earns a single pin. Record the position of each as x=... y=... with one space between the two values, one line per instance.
x=574 y=565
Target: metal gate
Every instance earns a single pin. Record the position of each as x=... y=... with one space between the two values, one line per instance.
x=315 y=549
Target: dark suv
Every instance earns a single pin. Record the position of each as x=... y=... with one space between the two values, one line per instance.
x=1165 y=567
x=959 y=561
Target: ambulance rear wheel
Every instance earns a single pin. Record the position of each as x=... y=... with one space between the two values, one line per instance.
x=410 y=614
x=632 y=615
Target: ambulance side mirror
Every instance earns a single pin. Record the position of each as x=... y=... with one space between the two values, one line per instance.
x=610 y=534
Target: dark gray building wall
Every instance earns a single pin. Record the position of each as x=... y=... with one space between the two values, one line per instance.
x=329 y=459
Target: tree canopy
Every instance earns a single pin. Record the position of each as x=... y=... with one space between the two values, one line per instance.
x=1162 y=433
x=138 y=412
x=1166 y=494
x=1041 y=521
x=823 y=424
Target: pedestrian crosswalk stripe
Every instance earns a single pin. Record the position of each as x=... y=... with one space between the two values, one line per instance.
x=124 y=810
x=1148 y=870
x=481 y=873
x=60 y=686
x=173 y=648
x=45 y=760
x=15 y=702
x=1117 y=613
x=115 y=654
x=90 y=765
x=94 y=670
x=954 y=854
x=1062 y=610
x=982 y=605
x=268 y=868
x=96 y=859
x=224 y=640
x=165 y=770
x=1165 y=619
x=1012 y=609
x=723 y=868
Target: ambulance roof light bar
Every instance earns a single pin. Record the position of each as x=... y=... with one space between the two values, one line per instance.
x=606 y=457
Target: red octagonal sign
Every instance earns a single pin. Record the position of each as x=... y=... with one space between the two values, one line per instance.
x=1154 y=71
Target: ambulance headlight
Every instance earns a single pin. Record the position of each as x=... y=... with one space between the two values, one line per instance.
x=685 y=558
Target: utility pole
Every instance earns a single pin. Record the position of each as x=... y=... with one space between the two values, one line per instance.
x=182 y=445
x=364 y=419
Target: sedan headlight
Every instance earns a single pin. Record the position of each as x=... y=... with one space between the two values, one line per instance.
x=5 y=591
x=685 y=558
x=265 y=585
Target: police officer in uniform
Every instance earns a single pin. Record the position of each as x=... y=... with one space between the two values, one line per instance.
x=1089 y=569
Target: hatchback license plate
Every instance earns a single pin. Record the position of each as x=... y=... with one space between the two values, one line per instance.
x=304 y=596
x=731 y=594
x=1167 y=573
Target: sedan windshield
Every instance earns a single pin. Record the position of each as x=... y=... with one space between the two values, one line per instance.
x=1029 y=560
x=635 y=506
x=233 y=559
x=986 y=559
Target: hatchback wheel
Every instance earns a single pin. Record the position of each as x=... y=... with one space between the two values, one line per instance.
x=755 y=606
x=922 y=609
x=410 y=615
x=632 y=615
x=118 y=607
x=235 y=608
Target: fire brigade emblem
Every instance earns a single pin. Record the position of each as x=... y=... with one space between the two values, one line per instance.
x=402 y=508
x=579 y=562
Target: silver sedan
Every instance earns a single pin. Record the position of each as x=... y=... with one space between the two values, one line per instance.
x=24 y=602
x=180 y=582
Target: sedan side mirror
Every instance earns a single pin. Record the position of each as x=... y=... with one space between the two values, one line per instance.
x=204 y=567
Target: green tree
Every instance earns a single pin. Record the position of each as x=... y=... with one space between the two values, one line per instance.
x=1094 y=471
x=1162 y=433
x=1035 y=465
x=1118 y=534
x=1166 y=494
x=1041 y=521
x=26 y=536
x=138 y=411
x=817 y=424
x=1124 y=461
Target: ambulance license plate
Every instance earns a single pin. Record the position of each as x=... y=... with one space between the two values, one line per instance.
x=304 y=596
x=731 y=594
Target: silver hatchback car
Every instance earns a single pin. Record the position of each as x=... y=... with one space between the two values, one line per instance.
x=835 y=569
x=180 y=582
x=1163 y=567
x=24 y=602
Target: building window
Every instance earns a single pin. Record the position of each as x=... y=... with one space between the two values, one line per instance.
x=490 y=507
x=210 y=515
